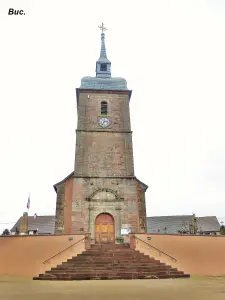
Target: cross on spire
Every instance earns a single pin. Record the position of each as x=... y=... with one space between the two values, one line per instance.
x=102 y=27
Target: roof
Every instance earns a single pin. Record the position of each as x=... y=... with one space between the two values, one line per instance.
x=72 y=174
x=103 y=56
x=104 y=83
x=66 y=178
x=175 y=223
x=103 y=79
x=145 y=186
x=44 y=224
x=208 y=223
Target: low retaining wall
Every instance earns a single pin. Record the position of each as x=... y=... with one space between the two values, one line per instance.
x=24 y=255
x=195 y=255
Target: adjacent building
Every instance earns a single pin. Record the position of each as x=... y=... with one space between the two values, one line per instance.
x=155 y=225
x=183 y=225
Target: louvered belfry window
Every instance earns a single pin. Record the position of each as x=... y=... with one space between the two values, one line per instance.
x=104 y=108
x=103 y=67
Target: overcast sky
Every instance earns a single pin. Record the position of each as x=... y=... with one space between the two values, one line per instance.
x=172 y=54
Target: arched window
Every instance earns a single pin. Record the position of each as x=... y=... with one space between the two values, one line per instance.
x=104 y=108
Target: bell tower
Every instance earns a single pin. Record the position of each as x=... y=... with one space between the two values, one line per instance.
x=103 y=65
x=103 y=185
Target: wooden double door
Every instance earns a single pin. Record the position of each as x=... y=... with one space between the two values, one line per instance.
x=104 y=229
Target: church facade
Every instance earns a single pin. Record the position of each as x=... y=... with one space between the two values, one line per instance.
x=102 y=194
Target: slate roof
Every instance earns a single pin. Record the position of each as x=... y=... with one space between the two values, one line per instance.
x=176 y=223
x=208 y=223
x=103 y=79
x=45 y=224
x=98 y=83
x=72 y=174
x=66 y=178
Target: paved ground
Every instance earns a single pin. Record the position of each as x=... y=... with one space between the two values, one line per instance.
x=170 y=289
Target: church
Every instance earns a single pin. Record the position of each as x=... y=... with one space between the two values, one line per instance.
x=102 y=195
x=101 y=199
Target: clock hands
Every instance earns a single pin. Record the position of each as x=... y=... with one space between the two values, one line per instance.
x=104 y=122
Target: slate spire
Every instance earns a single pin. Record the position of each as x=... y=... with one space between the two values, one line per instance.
x=103 y=65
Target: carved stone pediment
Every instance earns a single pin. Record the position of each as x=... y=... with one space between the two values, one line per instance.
x=105 y=195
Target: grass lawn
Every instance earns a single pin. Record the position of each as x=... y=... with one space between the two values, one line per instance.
x=195 y=288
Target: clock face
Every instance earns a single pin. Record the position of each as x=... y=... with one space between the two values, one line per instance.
x=104 y=122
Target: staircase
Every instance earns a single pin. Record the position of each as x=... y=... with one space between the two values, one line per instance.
x=111 y=262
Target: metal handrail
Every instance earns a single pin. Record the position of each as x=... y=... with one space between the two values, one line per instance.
x=156 y=249
x=63 y=250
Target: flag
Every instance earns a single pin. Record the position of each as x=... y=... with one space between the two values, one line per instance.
x=28 y=202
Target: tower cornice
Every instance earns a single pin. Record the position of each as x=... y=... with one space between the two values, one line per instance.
x=92 y=91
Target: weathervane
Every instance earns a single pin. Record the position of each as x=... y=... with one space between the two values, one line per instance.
x=102 y=28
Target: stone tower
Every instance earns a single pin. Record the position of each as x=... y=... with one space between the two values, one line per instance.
x=102 y=194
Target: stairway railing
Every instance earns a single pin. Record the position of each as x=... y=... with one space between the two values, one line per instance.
x=149 y=245
x=77 y=242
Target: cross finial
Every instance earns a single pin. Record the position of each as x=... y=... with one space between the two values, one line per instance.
x=102 y=27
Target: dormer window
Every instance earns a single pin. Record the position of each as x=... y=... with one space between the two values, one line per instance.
x=103 y=67
x=104 y=108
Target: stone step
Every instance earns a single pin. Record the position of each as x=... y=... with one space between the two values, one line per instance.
x=63 y=274
x=116 y=251
x=110 y=249
x=94 y=262
x=122 y=253
x=112 y=263
x=119 y=266
x=113 y=254
x=106 y=255
x=104 y=258
x=113 y=277
x=117 y=269
x=88 y=258
x=108 y=262
x=110 y=245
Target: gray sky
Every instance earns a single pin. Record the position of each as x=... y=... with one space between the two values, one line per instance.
x=172 y=54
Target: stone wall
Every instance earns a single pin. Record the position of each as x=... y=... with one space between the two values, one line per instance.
x=80 y=200
x=103 y=165
x=121 y=204
x=68 y=205
x=89 y=110
x=60 y=202
x=141 y=208
x=104 y=152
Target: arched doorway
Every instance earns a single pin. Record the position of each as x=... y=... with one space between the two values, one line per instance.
x=104 y=229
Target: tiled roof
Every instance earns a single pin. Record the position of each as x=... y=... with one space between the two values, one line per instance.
x=175 y=223
x=44 y=224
